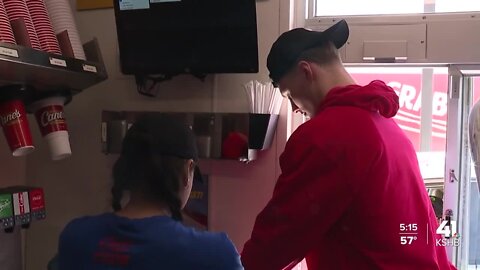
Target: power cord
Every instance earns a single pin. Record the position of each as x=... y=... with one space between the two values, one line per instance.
x=146 y=84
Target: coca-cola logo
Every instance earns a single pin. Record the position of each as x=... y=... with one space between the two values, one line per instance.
x=36 y=198
x=48 y=117
x=5 y=119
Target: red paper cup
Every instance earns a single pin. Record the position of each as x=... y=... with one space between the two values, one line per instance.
x=13 y=119
x=53 y=126
x=6 y=33
x=43 y=26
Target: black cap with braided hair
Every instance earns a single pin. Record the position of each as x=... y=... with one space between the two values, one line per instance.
x=165 y=135
x=148 y=144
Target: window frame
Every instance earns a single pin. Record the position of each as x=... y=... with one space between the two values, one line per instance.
x=308 y=8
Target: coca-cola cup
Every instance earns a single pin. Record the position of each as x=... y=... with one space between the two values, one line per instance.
x=13 y=119
x=53 y=126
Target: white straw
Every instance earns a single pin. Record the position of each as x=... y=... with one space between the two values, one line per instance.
x=252 y=95
x=274 y=95
x=278 y=102
x=248 y=91
x=258 y=87
x=264 y=92
x=271 y=97
x=260 y=97
x=268 y=97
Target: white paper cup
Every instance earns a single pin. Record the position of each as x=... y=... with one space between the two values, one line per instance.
x=59 y=144
x=53 y=126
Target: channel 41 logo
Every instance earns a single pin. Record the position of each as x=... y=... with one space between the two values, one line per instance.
x=448 y=229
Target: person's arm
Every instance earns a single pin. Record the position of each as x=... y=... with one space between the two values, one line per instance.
x=310 y=196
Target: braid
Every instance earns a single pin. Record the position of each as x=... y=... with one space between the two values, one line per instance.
x=166 y=183
x=119 y=183
x=141 y=170
x=174 y=204
x=117 y=194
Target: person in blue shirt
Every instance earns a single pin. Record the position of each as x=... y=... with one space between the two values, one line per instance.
x=156 y=166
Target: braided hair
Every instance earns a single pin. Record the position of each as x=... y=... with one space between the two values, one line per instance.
x=157 y=177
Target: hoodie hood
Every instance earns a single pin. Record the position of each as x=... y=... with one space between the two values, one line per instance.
x=375 y=96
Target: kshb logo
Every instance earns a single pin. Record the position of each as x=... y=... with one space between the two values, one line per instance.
x=448 y=228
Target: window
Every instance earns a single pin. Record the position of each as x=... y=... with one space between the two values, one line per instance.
x=384 y=7
x=474 y=197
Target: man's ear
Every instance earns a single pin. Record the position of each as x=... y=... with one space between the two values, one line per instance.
x=187 y=169
x=306 y=70
x=189 y=172
x=191 y=166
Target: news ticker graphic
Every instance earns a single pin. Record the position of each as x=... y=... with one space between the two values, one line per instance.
x=409 y=233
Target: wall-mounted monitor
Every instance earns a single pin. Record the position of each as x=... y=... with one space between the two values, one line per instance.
x=187 y=36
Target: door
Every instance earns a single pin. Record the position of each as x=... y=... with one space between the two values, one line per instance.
x=461 y=210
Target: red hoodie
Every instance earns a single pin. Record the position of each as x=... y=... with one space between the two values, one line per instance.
x=350 y=180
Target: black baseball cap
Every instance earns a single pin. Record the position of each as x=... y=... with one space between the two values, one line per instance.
x=288 y=47
x=161 y=134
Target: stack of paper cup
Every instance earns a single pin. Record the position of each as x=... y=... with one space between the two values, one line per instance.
x=61 y=15
x=6 y=33
x=13 y=119
x=43 y=26
x=53 y=126
x=22 y=23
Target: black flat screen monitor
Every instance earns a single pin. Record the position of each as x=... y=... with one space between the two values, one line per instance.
x=187 y=36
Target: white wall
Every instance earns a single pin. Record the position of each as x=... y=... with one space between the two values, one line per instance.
x=80 y=185
x=12 y=169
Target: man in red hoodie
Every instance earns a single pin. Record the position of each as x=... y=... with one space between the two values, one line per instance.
x=350 y=195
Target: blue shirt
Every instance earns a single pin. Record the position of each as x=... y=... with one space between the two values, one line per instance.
x=112 y=242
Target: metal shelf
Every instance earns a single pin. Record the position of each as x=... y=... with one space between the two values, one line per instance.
x=46 y=72
x=214 y=132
